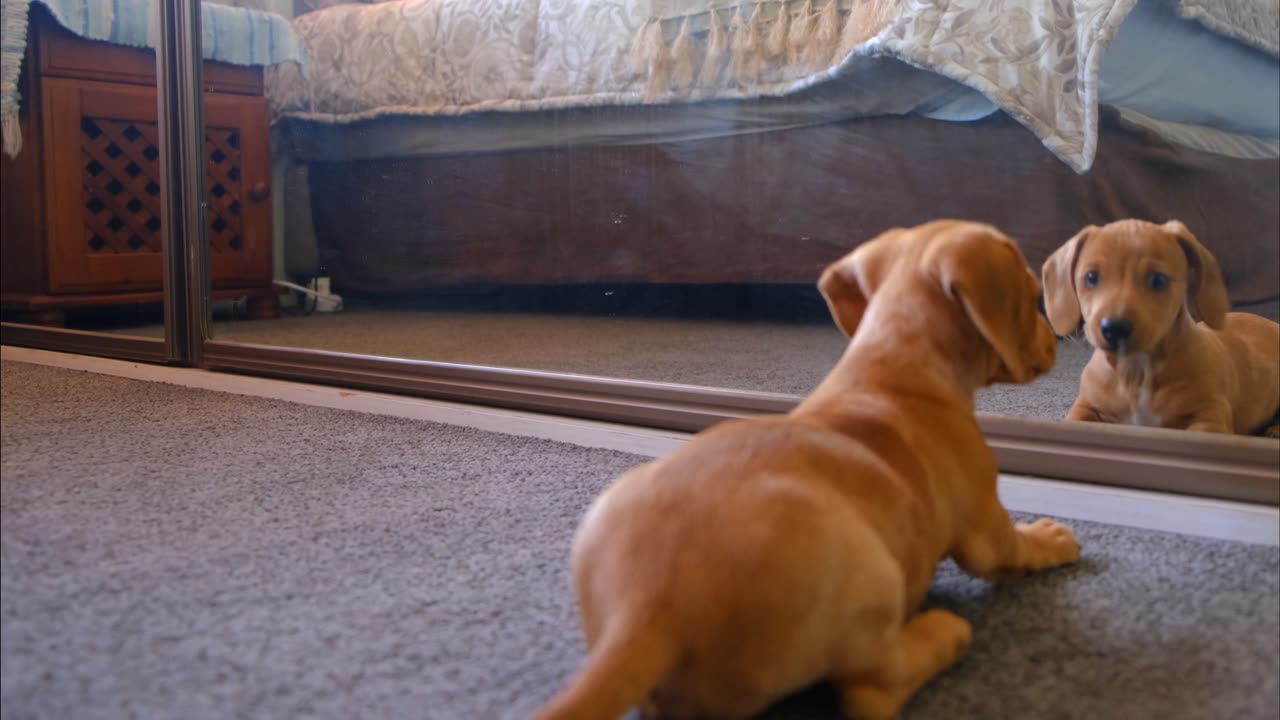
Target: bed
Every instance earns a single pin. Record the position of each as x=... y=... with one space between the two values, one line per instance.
x=752 y=141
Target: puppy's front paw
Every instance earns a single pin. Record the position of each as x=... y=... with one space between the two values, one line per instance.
x=1050 y=543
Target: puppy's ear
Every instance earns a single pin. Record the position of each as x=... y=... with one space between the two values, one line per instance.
x=1061 y=304
x=989 y=277
x=848 y=283
x=1206 y=292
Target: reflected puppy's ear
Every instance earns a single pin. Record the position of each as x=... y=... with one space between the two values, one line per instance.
x=1206 y=292
x=848 y=284
x=1062 y=304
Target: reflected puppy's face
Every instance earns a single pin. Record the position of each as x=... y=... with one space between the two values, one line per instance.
x=1129 y=282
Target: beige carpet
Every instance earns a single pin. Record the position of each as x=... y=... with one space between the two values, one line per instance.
x=778 y=357
x=773 y=357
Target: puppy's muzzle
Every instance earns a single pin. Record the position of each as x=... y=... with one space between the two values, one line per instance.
x=1116 y=331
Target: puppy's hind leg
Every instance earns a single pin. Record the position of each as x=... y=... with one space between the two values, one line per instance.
x=912 y=655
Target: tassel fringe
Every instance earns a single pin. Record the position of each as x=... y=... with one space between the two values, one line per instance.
x=740 y=46
x=12 y=131
x=683 y=63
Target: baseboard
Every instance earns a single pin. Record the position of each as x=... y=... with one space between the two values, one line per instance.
x=1144 y=509
x=1183 y=514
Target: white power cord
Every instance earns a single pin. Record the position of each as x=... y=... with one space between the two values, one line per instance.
x=326 y=300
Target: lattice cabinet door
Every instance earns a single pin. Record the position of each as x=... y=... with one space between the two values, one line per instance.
x=103 y=205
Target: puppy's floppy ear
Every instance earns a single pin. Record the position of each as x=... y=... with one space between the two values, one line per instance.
x=1206 y=292
x=848 y=283
x=988 y=276
x=1061 y=304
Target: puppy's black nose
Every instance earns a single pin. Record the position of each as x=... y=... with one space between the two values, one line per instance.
x=1115 y=330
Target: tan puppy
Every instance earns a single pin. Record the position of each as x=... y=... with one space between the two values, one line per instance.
x=1133 y=284
x=772 y=553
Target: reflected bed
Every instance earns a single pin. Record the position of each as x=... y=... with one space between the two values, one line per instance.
x=407 y=192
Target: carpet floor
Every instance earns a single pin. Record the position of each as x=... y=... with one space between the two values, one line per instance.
x=765 y=356
x=176 y=553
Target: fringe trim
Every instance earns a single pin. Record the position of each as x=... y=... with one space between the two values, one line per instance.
x=714 y=61
x=772 y=40
x=13 y=38
x=801 y=30
x=12 y=133
x=865 y=21
x=683 y=69
x=779 y=36
x=743 y=43
x=826 y=36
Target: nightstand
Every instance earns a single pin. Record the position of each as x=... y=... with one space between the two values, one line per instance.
x=80 y=204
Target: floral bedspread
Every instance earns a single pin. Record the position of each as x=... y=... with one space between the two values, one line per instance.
x=1037 y=59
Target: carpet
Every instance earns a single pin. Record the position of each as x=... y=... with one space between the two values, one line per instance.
x=777 y=343
x=790 y=358
x=168 y=552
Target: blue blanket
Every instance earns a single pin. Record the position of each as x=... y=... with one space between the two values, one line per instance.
x=231 y=35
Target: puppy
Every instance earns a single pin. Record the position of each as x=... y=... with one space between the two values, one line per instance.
x=771 y=553
x=1133 y=284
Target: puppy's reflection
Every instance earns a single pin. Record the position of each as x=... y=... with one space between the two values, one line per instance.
x=1134 y=285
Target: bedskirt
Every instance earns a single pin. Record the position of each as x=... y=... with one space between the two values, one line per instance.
x=769 y=207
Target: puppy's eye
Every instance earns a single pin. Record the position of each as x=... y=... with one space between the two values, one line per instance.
x=1157 y=280
x=1091 y=279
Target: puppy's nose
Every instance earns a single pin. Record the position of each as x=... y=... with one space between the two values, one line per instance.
x=1115 y=330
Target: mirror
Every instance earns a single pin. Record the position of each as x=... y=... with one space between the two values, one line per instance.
x=651 y=190
x=80 y=201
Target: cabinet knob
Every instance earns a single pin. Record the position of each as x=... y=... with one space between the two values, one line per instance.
x=259 y=191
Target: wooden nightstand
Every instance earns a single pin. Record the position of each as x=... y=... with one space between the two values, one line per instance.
x=80 y=205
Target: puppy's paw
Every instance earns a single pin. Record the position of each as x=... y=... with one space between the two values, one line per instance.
x=870 y=702
x=1051 y=543
x=949 y=635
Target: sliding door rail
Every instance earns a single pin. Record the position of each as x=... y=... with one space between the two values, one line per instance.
x=81 y=342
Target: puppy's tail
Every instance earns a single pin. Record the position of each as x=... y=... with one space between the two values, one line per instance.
x=623 y=667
